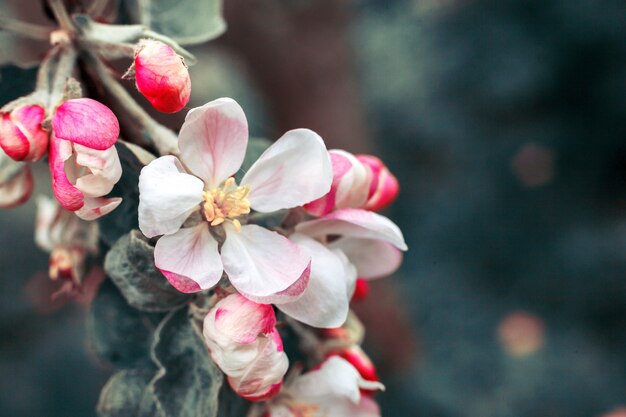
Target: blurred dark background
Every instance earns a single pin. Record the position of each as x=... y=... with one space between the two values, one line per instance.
x=505 y=123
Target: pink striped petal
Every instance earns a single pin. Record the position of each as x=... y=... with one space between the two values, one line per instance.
x=18 y=189
x=325 y=302
x=213 y=140
x=70 y=197
x=355 y=223
x=189 y=259
x=243 y=320
x=372 y=258
x=12 y=140
x=260 y=262
x=294 y=171
x=94 y=208
x=28 y=120
x=86 y=122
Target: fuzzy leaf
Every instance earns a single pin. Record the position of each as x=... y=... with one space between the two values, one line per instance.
x=126 y=395
x=185 y=21
x=117 y=332
x=188 y=382
x=130 y=264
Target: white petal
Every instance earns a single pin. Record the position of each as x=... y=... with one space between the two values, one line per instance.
x=213 y=140
x=293 y=171
x=372 y=258
x=105 y=168
x=325 y=302
x=167 y=196
x=189 y=259
x=355 y=223
x=335 y=380
x=260 y=262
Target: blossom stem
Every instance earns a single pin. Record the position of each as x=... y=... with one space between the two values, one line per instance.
x=163 y=139
x=28 y=30
x=97 y=7
x=61 y=15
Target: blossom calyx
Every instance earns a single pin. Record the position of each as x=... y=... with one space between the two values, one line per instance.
x=243 y=341
x=21 y=134
x=161 y=76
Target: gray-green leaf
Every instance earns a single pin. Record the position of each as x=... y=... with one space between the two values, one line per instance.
x=130 y=264
x=126 y=395
x=188 y=382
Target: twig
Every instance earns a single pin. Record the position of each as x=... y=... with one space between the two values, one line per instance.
x=163 y=139
x=97 y=7
x=28 y=30
x=61 y=15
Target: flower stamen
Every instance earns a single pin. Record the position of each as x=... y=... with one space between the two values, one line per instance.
x=226 y=203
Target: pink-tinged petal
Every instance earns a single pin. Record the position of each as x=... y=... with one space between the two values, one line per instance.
x=294 y=171
x=355 y=223
x=260 y=262
x=162 y=76
x=292 y=293
x=243 y=320
x=367 y=407
x=27 y=119
x=12 y=140
x=94 y=208
x=359 y=359
x=189 y=256
x=372 y=258
x=213 y=140
x=105 y=167
x=70 y=197
x=384 y=187
x=325 y=302
x=18 y=189
x=261 y=377
x=334 y=381
x=86 y=122
x=167 y=196
x=341 y=165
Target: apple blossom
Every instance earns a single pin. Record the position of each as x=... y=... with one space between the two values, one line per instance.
x=161 y=76
x=83 y=160
x=260 y=264
x=21 y=134
x=243 y=341
x=67 y=238
x=16 y=182
x=332 y=390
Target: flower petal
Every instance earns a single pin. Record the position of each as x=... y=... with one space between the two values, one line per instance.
x=18 y=189
x=94 y=208
x=355 y=223
x=372 y=258
x=260 y=262
x=70 y=197
x=213 y=140
x=189 y=259
x=326 y=300
x=105 y=167
x=167 y=196
x=243 y=320
x=293 y=171
x=86 y=122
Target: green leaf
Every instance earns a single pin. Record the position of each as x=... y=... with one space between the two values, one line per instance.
x=118 y=333
x=256 y=146
x=185 y=21
x=126 y=394
x=130 y=264
x=188 y=382
x=124 y=218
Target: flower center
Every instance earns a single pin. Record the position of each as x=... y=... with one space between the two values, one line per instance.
x=226 y=203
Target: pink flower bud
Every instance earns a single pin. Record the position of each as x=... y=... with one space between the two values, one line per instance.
x=162 y=76
x=384 y=187
x=349 y=188
x=21 y=134
x=243 y=341
x=361 y=289
x=16 y=182
x=86 y=122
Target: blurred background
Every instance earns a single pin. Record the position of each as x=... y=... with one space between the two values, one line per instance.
x=504 y=122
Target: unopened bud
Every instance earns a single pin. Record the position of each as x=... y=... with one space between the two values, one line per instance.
x=161 y=76
x=384 y=187
x=21 y=134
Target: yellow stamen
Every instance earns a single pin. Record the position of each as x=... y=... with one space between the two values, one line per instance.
x=226 y=203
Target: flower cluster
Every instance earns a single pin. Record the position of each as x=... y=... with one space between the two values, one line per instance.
x=208 y=235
